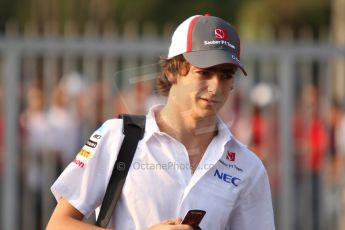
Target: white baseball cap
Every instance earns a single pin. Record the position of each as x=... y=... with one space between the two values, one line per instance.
x=206 y=41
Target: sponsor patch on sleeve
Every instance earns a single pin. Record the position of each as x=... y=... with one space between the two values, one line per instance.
x=91 y=143
x=84 y=153
x=79 y=163
x=97 y=136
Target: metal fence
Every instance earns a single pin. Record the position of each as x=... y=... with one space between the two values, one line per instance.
x=52 y=87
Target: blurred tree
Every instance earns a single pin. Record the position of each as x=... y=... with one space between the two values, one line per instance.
x=338 y=38
x=162 y=12
x=295 y=14
x=251 y=15
x=7 y=11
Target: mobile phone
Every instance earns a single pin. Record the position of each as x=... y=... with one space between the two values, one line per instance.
x=193 y=217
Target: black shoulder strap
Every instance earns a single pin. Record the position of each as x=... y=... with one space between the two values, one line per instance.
x=133 y=129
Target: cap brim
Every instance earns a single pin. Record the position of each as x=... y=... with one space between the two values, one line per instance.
x=210 y=58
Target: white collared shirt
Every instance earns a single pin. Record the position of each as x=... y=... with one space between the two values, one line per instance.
x=230 y=182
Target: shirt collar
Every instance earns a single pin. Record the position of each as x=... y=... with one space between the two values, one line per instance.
x=224 y=133
x=151 y=126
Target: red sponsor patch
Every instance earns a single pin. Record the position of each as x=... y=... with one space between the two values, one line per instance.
x=221 y=33
x=79 y=163
x=231 y=156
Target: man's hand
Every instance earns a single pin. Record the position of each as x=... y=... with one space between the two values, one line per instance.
x=171 y=224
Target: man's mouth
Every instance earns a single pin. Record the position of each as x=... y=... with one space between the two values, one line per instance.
x=209 y=100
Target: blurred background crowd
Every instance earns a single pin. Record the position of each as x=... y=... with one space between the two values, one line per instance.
x=68 y=65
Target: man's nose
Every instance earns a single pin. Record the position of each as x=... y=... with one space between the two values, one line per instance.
x=214 y=83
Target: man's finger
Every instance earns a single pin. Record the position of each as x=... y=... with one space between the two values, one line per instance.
x=182 y=227
x=173 y=221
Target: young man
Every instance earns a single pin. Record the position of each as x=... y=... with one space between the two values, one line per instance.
x=187 y=159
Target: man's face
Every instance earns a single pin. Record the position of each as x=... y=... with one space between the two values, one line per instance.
x=202 y=92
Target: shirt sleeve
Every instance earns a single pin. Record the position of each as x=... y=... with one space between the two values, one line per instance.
x=254 y=209
x=85 y=179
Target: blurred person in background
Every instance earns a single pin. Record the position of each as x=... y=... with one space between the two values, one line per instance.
x=236 y=118
x=62 y=139
x=138 y=93
x=340 y=155
x=334 y=177
x=262 y=98
x=220 y=175
x=34 y=124
x=264 y=138
x=2 y=132
x=98 y=92
x=50 y=138
x=133 y=98
x=311 y=141
x=2 y=140
x=79 y=104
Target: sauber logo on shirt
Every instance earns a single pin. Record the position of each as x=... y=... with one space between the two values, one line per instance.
x=231 y=166
x=221 y=33
x=230 y=156
x=226 y=177
x=84 y=153
x=91 y=143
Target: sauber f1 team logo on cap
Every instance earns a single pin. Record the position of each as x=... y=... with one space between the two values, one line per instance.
x=221 y=33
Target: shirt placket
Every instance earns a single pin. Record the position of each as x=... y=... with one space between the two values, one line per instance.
x=211 y=157
x=181 y=166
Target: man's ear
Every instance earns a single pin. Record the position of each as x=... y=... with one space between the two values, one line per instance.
x=170 y=77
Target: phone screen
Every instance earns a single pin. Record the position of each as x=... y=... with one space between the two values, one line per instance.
x=193 y=217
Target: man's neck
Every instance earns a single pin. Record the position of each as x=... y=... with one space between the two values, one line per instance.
x=185 y=127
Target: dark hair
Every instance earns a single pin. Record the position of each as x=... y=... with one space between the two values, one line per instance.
x=177 y=65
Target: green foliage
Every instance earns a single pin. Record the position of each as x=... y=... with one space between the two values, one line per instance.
x=162 y=12
x=252 y=13
x=8 y=11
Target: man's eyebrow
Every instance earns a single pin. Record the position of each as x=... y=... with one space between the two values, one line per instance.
x=226 y=69
x=231 y=69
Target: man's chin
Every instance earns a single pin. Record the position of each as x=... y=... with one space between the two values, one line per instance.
x=208 y=112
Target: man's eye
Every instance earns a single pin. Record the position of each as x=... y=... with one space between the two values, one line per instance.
x=226 y=76
x=204 y=72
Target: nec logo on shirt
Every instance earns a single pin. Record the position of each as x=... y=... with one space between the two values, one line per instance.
x=226 y=177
